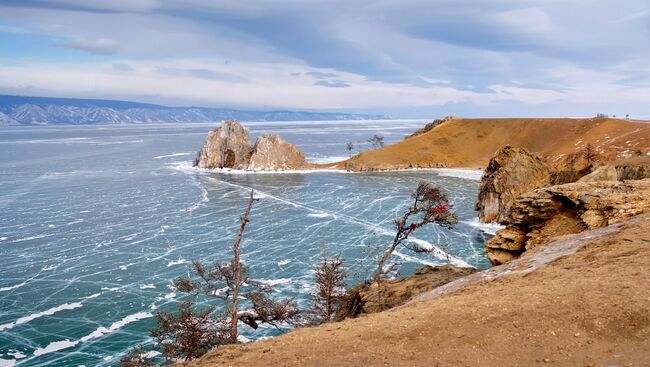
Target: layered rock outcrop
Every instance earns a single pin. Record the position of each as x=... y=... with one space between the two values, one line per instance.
x=510 y=173
x=229 y=146
x=363 y=298
x=273 y=153
x=537 y=217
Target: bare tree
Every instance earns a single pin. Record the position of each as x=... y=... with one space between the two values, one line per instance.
x=349 y=147
x=136 y=357
x=330 y=288
x=430 y=205
x=377 y=141
x=190 y=333
x=230 y=282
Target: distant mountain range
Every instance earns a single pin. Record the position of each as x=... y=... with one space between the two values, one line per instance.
x=19 y=110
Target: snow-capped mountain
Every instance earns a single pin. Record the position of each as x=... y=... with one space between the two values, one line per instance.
x=6 y=120
x=45 y=110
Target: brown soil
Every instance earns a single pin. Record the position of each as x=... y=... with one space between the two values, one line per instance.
x=470 y=143
x=590 y=308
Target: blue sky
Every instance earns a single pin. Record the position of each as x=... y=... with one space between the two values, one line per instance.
x=405 y=58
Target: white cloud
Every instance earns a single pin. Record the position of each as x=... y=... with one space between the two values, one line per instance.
x=102 y=46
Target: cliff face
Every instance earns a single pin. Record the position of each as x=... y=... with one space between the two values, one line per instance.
x=273 y=153
x=537 y=217
x=229 y=146
x=510 y=173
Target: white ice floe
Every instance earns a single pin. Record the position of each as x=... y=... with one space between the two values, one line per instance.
x=17 y=354
x=55 y=347
x=172 y=155
x=489 y=228
x=11 y=287
x=49 y=312
x=272 y=282
x=176 y=262
x=470 y=174
x=99 y=332
x=150 y=354
x=171 y=295
x=7 y=362
x=319 y=215
x=283 y=262
x=147 y=286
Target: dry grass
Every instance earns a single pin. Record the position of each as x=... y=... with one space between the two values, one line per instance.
x=470 y=143
x=591 y=308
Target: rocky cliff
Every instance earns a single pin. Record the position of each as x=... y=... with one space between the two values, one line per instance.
x=544 y=214
x=273 y=153
x=229 y=146
x=510 y=173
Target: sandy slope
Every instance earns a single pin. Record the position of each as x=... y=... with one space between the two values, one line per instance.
x=470 y=143
x=591 y=308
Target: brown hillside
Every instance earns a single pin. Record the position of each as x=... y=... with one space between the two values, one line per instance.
x=589 y=308
x=469 y=143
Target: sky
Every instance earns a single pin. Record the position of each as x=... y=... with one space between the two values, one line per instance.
x=403 y=58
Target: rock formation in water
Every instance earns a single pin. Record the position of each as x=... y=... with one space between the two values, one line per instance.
x=510 y=173
x=273 y=153
x=229 y=146
x=537 y=217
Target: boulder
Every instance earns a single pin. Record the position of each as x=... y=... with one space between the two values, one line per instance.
x=542 y=215
x=273 y=153
x=510 y=173
x=228 y=146
x=636 y=168
x=602 y=173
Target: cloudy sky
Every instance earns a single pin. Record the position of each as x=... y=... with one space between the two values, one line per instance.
x=406 y=58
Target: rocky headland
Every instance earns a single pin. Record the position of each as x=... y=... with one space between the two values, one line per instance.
x=568 y=145
x=229 y=146
x=570 y=283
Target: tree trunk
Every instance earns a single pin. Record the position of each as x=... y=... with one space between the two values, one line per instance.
x=237 y=263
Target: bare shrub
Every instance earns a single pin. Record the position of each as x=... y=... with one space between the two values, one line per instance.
x=190 y=333
x=430 y=205
x=330 y=289
x=136 y=357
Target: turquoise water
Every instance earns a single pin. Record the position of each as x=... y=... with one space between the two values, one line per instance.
x=95 y=222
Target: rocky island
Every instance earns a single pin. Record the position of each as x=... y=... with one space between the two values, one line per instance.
x=229 y=146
